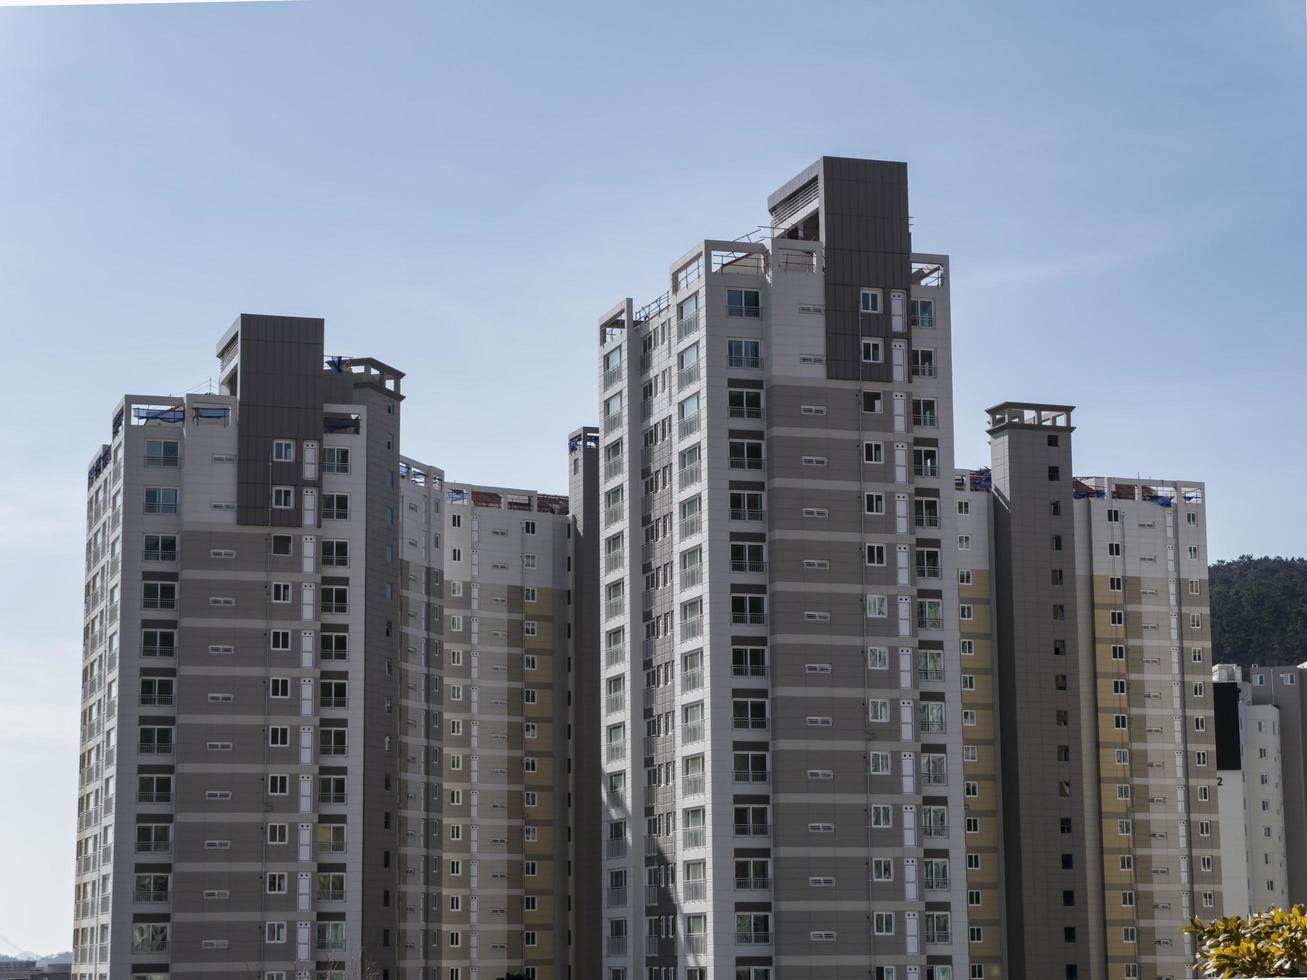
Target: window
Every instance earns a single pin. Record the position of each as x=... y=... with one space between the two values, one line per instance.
x=160 y=452
x=335 y=554
x=873 y=452
x=279 y=687
x=276 y=883
x=877 y=607
x=875 y=554
x=744 y=403
x=159 y=595
x=872 y=402
x=283 y=498
x=964 y=576
x=335 y=506
x=274 y=932
x=743 y=303
x=871 y=301
x=283 y=450
x=160 y=500
x=281 y=545
x=883 y=923
x=160 y=547
x=1114 y=583
x=874 y=503
x=745 y=454
x=335 y=598
x=158 y=643
x=278 y=784
x=281 y=592
x=335 y=459
x=873 y=351
x=279 y=736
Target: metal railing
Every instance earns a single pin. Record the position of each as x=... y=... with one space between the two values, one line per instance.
x=614 y=751
x=923 y=370
x=744 y=412
x=691 y=731
x=613 y=515
x=753 y=884
x=743 y=361
x=696 y=943
x=695 y=890
x=614 y=560
x=746 y=462
x=613 y=422
x=748 y=566
x=693 y=784
x=753 y=938
x=612 y=376
x=691 y=526
x=694 y=837
x=616 y=847
x=614 y=467
x=691 y=628
x=925 y=520
x=613 y=656
x=692 y=680
x=751 y=776
x=614 y=703
x=617 y=898
x=925 y=469
x=614 y=607
x=690 y=475
x=687 y=376
x=687 y=327
x=930 y=622
x=688 y=426
x=928 y=571
x=616 y=945
x=745 y=514
x=691 y=575
x=927 y=419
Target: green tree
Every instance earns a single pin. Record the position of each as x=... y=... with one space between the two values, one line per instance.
x=1259 y=610
x=1269 y=944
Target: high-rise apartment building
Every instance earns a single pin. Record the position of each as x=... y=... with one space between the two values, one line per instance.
x=1250 y=796
x=1283 y=687
x=782 y=754
x=1105 y=768
x=325 y=722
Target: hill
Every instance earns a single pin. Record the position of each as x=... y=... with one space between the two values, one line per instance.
x=1259 y=610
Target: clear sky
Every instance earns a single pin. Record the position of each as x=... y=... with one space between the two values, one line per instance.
x=461 y=189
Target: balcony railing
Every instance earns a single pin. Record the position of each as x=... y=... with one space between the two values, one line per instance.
x=614 y=607
x=925 y=469
x=612 y=422
x=942 y=936
x=691 y=526
x=688 y=426
x=748 y=566
x=613 y=656
x=928 y=571
x=690 y=475
x=744 y=412
x=923 y=370
x=751 y=776
x=149 y=896
x=691 y=628
x=746 y=462
x=693 y=784
x=746 y=514
x=748 y=670
x=931 y=726
x=154 y=796
x=331 y=894
x=614 y=751
x=617 y=898
x=691 y=575
x=696 y=944
x=612 y=376
x=614 y=467
x=695 y=890
x=926 y=320
x=694 y=837
x=749 y=724
x=616 y=945
x=614 y=560
x=614 y=703
x=753 y=938
x=935 y=830
x=743 y=361
x=926 y=419
x=692 y=680
x=930 y=622
x=937 y=883
x=930 y=673
x=926 y=520
x=616 y=847
x=687 y=376
x=752 y=829
x=331 y=797
x=691 y=731
x=753 y=884
x=749 y=618
x=613 y=515
x=687 y=327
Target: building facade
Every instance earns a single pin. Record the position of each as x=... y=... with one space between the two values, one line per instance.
x=269 y=591
x=782 y=755
x=1106 y=765
x=1283 y=688
x=1250 y=796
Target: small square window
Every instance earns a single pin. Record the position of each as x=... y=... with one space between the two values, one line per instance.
x=283 y=450
x=283 y=498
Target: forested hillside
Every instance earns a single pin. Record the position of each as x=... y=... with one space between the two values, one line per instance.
x=1259 y=610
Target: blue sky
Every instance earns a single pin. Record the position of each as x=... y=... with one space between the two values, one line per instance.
x=461 y=190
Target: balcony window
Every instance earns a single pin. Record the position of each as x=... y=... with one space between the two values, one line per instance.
x=746 y=505
x=748 y=610
x=744 y=403
x=749 y=661
x=749 y=714
x=160 y=452
x=744 y=303
x=922 y=313
x=747 y=557
x=743 y=354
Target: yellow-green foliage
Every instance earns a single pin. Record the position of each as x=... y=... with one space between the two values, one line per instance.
x=1269 y=944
